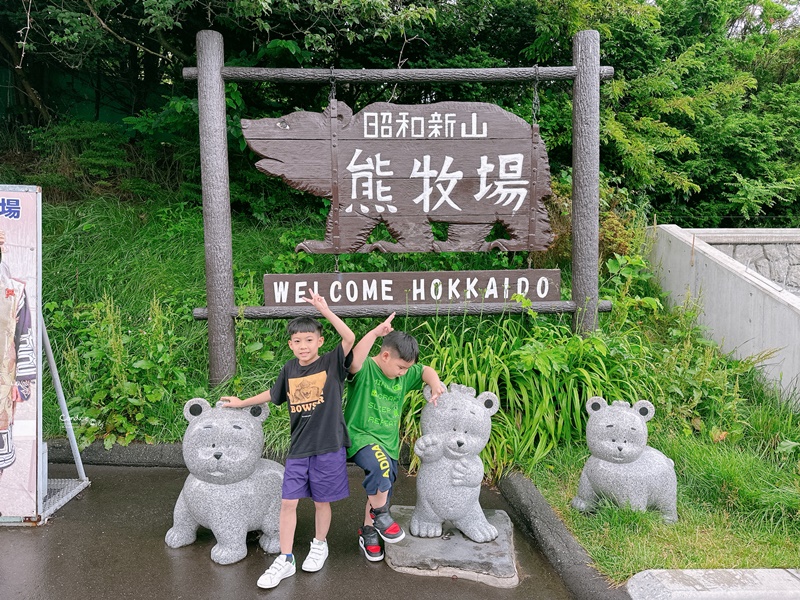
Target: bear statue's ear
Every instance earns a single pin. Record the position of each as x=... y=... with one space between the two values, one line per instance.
x=645 y=410
x=195 y=407
x=489 y=401
x=259 y=411
x=426 y=391
x=595 y=404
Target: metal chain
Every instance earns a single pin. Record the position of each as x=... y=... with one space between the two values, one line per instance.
x=332 y=94
x=535 y=104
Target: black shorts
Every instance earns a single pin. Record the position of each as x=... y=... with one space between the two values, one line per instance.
x=380 y=469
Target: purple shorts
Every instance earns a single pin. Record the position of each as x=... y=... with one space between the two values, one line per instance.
x=322 y=477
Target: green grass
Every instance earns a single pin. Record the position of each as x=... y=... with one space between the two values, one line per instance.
x=735 y=509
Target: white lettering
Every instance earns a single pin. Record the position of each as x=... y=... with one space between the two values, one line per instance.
x=299 y=291
x=418 y=290
x=386 y=128
x=506 y=287
x=281 y=290
x=491 y=288
x=452 y=289
x=542 y=287
x=370 y=125
x=523 y=285
x=436 y=289
x=449 y=124
x=417 y=127
x=336 y=291
x=474 y=133
x=470 y=291
x=386 y=289
x=371 y=290
x=351 y=290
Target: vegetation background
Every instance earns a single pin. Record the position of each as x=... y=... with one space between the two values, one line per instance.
x=699 y=127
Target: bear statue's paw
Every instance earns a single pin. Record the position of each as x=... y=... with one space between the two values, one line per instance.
x=580 y=504
x=670 y=517
x=424 y=529
x=226 y=555
x=481 y=532
x=177 y=538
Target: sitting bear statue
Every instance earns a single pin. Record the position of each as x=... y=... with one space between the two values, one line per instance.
x=230 y=489
x=622 y=467
x=454 y=431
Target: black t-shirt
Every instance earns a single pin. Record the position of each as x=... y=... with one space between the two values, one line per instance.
x=314 y=394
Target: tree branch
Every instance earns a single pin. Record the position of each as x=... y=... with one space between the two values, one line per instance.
x=29 y=90
x=122 y=39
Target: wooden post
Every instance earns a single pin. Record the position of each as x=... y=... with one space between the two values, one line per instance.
x=585 y=179
x=216 y=206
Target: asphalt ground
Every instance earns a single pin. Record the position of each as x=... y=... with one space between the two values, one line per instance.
x=108 y=543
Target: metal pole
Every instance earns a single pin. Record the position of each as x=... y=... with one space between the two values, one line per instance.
x=48 y=350
x=216 y=206
x=585 y=179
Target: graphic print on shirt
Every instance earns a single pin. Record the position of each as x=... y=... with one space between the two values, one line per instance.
x=305 y=393
x=384 y=406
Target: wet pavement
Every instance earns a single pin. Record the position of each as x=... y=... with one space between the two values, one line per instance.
x=108 y=543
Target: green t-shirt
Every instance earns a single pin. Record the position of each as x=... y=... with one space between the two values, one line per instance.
x=374 y=404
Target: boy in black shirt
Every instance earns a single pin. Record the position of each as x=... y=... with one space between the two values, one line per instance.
x=316 y=463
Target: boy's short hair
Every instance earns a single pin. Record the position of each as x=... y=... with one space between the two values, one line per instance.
x=304 y=325
x=402 y=344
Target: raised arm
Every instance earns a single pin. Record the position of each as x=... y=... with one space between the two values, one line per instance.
x=235 y=402
x=361 y=351
x=347 y=335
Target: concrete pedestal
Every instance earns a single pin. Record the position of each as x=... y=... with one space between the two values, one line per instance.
x=453 y=555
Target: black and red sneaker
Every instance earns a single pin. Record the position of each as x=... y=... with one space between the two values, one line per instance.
x=370 y=543
x=390 y=531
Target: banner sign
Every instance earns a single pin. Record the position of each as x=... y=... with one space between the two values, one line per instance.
x=418 y=287
x=20 y=352
x=471 y=165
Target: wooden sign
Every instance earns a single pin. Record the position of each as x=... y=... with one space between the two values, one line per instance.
x=470 y=165
x=412 y=288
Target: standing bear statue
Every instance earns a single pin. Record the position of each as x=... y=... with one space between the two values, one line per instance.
x=454 y=431
x=230 y=489
x=622 y=467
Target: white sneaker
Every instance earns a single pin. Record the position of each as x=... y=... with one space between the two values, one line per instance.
x=316 y=556
x=280 y=570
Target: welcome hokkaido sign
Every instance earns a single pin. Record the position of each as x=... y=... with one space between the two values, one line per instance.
x=420 y=287
x=473 y=167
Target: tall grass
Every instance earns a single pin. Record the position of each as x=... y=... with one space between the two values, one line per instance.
x=542 y=373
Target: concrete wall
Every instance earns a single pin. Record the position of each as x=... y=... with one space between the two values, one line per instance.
x=743 y=311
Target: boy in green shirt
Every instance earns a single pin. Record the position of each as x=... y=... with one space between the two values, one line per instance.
x=376 y=389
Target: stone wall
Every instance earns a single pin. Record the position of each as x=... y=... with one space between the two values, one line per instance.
x=778 y=262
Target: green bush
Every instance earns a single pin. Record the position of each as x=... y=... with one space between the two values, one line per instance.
x=121 y=384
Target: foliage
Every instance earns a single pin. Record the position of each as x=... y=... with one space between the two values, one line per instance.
x=699 y=124
x=122 y=384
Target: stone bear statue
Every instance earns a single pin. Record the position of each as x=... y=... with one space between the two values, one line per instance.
x=454 y=431
x=230 y=489
x=622 y=467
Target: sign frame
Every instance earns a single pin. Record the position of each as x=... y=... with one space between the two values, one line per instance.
x=23 y=485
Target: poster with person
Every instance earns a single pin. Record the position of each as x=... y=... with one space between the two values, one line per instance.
x=20 y=351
